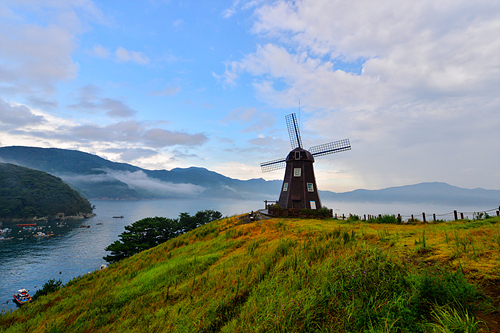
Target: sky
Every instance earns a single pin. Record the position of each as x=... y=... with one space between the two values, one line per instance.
x=414 y=85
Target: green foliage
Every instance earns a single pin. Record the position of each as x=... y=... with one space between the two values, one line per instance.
x=442 y=288
x=49 y=287
x=26 y=193
x=450 y=320
x=152 y=231
x=274 y=206
x=353 y=218
x=480 y=216
x=390 y=219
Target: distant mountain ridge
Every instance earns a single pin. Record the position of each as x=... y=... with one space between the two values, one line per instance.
x=98 y=178
x=428 y=193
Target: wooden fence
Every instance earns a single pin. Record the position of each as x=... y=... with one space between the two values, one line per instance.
x=412 y=217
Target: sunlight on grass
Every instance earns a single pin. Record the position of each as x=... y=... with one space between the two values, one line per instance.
x=286 y=275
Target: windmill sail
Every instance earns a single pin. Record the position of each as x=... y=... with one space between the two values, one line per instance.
x=293 y=131
x=330 y=148
x=273 y=165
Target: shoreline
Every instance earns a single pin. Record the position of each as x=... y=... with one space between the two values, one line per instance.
x=57 y=217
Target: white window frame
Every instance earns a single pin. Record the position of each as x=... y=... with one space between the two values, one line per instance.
x=310 y=187
x=285 y=187
x=297 y=172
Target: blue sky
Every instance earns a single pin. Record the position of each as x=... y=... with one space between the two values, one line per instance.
x=159 y=84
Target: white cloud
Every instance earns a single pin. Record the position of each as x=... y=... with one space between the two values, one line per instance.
x=88 y=100
x=428 y=89
x=100 y=51
x=138 y=181
x=34 y=58
x=25 y=126
x=124 y=55
x=14 y=116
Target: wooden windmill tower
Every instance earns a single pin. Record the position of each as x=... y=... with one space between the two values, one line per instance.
x=299 y=188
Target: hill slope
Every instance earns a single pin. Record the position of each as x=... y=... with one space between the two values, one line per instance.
x=27 y=193
x=283 y=276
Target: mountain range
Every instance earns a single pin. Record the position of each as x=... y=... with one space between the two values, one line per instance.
x=98 y=178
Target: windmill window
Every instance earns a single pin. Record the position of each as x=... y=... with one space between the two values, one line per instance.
x=297 y=172
x=297 y=155
x=285 y=187
x=310 y=187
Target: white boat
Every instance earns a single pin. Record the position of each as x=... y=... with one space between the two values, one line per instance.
x=5 y=231
x=42 y=234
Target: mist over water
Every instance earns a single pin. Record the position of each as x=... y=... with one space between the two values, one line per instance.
x=26 y=261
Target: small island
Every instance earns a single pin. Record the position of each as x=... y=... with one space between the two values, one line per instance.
x=30 y=195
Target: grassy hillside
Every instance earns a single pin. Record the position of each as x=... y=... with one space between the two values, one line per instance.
x=288 y=275
x=26 y=193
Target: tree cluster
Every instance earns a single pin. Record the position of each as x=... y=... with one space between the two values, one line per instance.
x=152 y=231
x=49 y=287
x=26 y=193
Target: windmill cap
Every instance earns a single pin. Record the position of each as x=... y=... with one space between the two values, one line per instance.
x=304 y=155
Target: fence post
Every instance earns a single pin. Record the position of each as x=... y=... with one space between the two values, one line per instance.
x=498 y=212
x=364 y=217
x=461 y=216
x=455 y=215
x=335 y=215
x=423 y=216
x=343 y=217
x=434 y=217
x=266 y=203
x=412 y=218
x=379 y=215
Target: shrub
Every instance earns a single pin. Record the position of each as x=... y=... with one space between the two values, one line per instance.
x=49 y=287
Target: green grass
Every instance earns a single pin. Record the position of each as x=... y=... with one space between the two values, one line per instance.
x=286 y=275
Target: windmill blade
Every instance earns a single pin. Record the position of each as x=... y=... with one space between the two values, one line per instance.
x=273 y=165
x=293 y=131
x=330 y=148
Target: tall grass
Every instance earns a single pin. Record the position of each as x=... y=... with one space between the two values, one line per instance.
x=282 y=276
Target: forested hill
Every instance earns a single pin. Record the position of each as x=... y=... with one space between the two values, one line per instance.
x=27 y=193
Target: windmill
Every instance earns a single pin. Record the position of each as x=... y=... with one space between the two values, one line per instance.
x=299 y=188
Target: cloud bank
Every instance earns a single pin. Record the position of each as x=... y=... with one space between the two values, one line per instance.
x=413 y=84
x=138 y=181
